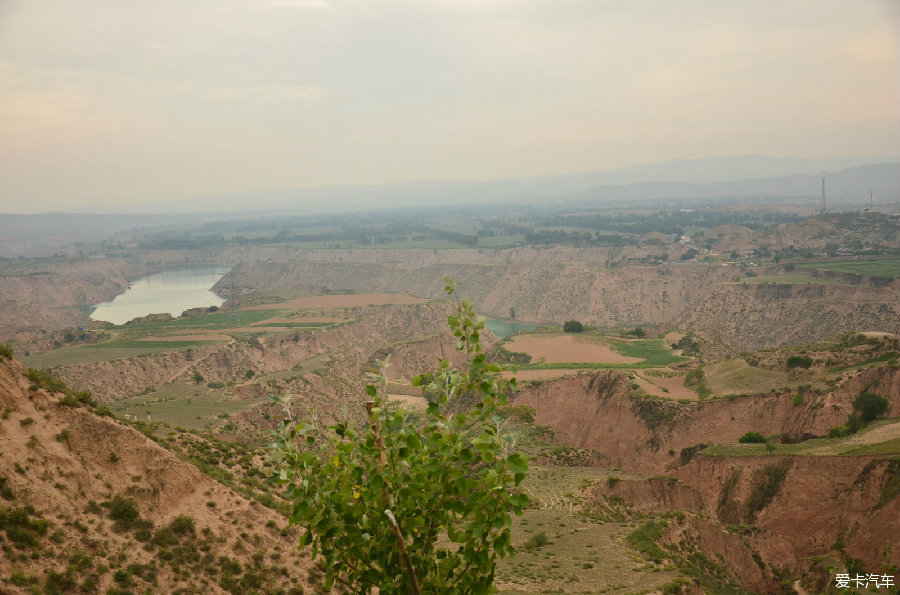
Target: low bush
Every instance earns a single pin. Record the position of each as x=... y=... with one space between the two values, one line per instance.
x=752 y=438
x=644 y=539
x=536 y=541
x=20 y=528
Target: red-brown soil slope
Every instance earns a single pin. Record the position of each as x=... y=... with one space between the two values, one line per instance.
x=61 y=461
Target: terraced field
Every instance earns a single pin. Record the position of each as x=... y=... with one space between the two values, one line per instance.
x=580 y=555
x=881 y=267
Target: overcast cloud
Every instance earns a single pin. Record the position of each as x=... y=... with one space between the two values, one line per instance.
x=121 y=102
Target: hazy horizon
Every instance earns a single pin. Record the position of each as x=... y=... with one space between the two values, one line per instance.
x=107 y=105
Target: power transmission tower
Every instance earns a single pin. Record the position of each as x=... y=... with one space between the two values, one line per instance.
x=823 y=196
x=235 y=298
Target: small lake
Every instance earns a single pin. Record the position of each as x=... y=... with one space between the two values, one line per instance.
x=172 y=291
x=503 y=328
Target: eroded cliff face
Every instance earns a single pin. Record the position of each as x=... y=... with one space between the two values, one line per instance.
x=549 y=285
x=599 y=410
x=796 y=506
x=52 y=295
x=812 y=502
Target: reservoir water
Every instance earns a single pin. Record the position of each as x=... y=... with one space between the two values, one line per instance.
x=172 y=291
x=503 y=329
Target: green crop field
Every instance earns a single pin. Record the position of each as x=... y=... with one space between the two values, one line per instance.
x=654 y=352
x=791 y=279
x=881 y=267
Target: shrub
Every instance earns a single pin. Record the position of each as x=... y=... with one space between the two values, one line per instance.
x=6 y=351
x=20 y=579
x=40 y=379
x=536 y=541
x=612 y=480
x=198 y=377
x=183 y=525
x=797 y=400
x=249 y=374
x=870 y=406
x=164 y=536
x=58 y=583
x=20 y=529
x=799 y=361
x=572 y=326
x=752 y=438
x=5 y=491
x=644 y=539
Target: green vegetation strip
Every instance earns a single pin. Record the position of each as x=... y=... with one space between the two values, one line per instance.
x=792 y=279
x=585 y=366
x=654 y=352
x=299 y=325
x=882 y=267
x=220 y=320
x=814 y=447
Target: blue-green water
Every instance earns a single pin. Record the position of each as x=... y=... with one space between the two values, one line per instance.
x=172 y=291
x=503 y=329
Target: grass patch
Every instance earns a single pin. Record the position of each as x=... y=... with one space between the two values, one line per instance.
x=890 y=447
x=644 y=540
x=766 y=484
x=892 y=488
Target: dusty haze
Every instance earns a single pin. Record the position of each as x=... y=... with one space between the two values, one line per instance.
x=110 y=104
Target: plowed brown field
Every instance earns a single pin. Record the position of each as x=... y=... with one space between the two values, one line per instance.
x=567 y=348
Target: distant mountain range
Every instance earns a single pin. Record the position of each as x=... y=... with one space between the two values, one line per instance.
x=754 y=176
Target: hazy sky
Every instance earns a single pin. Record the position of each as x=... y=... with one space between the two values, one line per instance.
x=125 y=101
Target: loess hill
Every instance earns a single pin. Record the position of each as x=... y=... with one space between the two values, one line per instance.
x=90 y=505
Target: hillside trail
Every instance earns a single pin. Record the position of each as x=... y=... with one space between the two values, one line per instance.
x=873 y=436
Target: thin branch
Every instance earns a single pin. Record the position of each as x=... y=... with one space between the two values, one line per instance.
x=404 y=553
